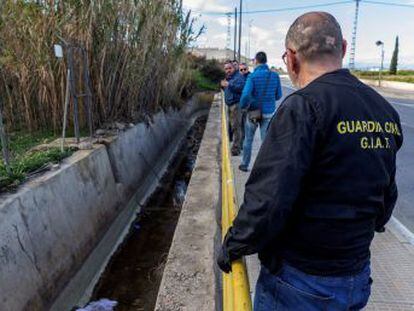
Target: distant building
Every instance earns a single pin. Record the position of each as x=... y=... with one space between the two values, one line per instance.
x=219 y=54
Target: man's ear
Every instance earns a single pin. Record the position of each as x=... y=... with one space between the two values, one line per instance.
x=293 y=61
x=344 y=47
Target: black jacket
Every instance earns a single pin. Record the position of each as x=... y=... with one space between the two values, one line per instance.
x=323 y=181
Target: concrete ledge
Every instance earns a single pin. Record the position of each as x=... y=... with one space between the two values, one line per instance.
x=133 y=152
x=49 y=227
x=53 y=224
x=189 y=281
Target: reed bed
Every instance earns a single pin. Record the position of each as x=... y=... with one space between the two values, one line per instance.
x=135 y=57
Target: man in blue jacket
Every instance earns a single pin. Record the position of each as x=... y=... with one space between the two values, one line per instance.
x=260 y=94
x=233 y=87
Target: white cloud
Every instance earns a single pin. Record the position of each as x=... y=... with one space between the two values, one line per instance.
x=206 y=5
x=261 y=34
x=282 y=27
x=220 y=37
x=223 y=21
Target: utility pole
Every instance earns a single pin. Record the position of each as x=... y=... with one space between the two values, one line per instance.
x=381 y=44
x=235 y=33
x=228 y=39
x=240 y=29
x=250 y=29
x=354 y=34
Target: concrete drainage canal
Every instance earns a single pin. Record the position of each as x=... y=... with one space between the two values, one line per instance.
x=132 y=277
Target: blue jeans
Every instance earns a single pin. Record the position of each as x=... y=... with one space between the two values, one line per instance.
x=294 y=290
x=249 y=132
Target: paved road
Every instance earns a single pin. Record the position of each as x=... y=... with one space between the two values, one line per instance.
x=404 y=210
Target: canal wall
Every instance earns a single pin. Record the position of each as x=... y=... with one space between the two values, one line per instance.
x=58 y=231
x=191 y=280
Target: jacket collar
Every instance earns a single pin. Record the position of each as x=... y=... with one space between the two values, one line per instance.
x=233 y=75
x=262 y=67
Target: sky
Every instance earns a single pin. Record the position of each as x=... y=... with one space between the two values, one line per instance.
x=268 y=30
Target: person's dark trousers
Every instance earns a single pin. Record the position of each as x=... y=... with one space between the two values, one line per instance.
x=235 y=118
x=294 y=290
x=242 y=125
x=250 y=130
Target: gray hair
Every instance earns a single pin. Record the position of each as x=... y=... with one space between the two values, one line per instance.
x=315 y=35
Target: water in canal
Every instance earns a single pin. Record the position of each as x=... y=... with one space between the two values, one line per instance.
x=134 y=273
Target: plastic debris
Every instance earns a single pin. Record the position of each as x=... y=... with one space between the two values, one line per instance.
x=100 y=305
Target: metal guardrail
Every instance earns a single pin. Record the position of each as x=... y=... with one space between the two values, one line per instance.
x=236 y=290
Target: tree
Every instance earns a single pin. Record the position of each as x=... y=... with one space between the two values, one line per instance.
x=394 y=59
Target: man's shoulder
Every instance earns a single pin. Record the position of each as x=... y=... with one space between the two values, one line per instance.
x=261 y=75
x=238 y=76
x=294 y=99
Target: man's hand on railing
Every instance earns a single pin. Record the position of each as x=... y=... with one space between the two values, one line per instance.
x=223 y=260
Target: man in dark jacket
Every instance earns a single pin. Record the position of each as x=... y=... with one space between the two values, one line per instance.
x=322 y=184
x=233 y=87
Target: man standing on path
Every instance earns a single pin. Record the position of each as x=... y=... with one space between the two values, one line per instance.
x=233 y=87
x=262 y=90
x=322 y=184
x=245 y=72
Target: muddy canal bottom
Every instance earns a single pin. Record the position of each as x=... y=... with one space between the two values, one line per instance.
x=133 y=275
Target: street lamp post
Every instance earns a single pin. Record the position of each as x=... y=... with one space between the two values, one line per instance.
x=381 y=44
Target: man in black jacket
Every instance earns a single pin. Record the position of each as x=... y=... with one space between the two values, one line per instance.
x=323 y=181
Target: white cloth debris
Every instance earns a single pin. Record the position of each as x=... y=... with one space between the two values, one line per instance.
x=100 y=305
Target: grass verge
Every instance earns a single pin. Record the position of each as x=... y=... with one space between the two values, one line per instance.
x=203 y=83
x=24 y=161
x=402 y=76
x=29 y=163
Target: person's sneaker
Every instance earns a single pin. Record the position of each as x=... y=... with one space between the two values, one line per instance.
x=235 y=153
x=243 y=168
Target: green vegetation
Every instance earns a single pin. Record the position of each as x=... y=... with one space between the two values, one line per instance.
x=21 y=142
x=27 y=163
x=206 y=73
x=401 y=76
x=203 y=83
x=394 y=59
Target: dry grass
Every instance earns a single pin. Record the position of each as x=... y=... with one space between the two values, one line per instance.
x=136 y=58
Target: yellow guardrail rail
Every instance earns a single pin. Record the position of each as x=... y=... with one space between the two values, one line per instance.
x=236 y=290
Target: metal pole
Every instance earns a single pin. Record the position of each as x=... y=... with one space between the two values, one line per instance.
x=88 y=94
x=235 y=33
x=382 y=64
x=354 y=34
x=250 y=29
x=65 y=111
x=4 y=142
x=240 y=30
x=72 y=90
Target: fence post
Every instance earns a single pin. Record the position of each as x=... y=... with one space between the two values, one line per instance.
x=65 y=112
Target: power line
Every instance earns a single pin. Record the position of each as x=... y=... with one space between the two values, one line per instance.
x=389 y=4
x=281 y=9
x=299 y=7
